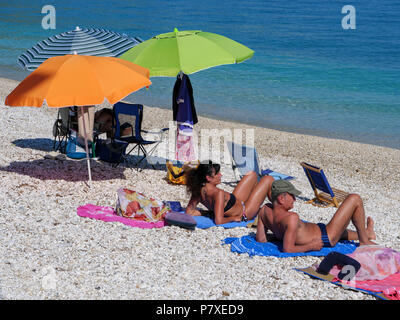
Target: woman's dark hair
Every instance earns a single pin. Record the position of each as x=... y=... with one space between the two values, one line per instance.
x=196 y=178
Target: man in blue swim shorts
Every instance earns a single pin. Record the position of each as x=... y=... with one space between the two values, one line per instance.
x=300 y=236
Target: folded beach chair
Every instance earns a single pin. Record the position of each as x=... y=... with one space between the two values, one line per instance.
x=328 y=196
x=245 y=159
x=61 y=129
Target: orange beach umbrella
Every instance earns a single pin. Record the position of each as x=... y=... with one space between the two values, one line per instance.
x=78 y=80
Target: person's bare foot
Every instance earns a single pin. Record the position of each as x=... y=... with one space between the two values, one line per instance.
x=370 y=233
x=368 y=243
x=370 y=229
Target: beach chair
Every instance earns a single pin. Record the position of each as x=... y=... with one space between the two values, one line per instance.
x=328 y=196
x=245 y=159
x=129 y=117
x=61 y=129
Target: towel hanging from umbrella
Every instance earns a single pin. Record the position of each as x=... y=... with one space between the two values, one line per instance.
x=183 y=80
x=78 y=80
x=186 y=52
x=185 y=116
x=86 y=41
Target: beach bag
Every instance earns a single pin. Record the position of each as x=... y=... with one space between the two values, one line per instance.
x=74 y=150
x=134 y=205
x=111 y=151
x=176 y=174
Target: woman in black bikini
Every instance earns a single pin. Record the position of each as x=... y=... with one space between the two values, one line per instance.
x=242 y=204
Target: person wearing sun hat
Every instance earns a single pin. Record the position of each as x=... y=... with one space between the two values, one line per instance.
x=283 y=186
x=300 y=236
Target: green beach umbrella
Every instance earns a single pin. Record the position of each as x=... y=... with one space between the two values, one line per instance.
x=168 y=54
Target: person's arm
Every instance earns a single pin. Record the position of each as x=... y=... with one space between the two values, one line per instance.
x=289 y=238
x=191 y=207
x=261 y=234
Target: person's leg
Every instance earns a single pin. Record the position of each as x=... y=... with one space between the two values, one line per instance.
x=245 y=186
x=257 y=196
x=352 y=209
x=353 y=235
x=86 y=122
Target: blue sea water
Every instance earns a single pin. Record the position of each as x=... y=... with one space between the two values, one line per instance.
x=308 y=74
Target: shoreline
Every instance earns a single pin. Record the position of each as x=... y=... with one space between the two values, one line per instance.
x=293 y=130
x=307 y=132
x=92 y=259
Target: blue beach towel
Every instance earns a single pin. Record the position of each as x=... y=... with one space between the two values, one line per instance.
x=248 y=244
x=276 y=175
x=206 y=222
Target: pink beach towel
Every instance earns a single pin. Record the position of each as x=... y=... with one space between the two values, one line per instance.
x=185 y=146
x=108 y=214
x=390 y=286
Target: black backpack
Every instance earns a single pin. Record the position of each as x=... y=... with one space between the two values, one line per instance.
x=112 y=151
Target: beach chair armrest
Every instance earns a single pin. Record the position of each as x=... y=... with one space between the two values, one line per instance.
x=159 y=133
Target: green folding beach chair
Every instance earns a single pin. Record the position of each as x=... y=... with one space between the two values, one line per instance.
x=328 y=196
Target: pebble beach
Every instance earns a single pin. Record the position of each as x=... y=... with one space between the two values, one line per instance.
x=42 y=236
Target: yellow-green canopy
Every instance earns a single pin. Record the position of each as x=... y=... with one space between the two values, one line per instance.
x=188 y=51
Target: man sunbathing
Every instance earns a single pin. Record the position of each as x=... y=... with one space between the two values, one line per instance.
x=300 y=236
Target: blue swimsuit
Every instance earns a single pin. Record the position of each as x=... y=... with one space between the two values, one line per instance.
x=324 y=235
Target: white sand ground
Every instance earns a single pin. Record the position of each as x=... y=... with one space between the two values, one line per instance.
x=49 y=252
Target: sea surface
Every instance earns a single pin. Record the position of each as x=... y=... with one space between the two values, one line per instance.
x=308 y=74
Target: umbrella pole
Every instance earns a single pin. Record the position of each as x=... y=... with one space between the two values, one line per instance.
x=83 y=110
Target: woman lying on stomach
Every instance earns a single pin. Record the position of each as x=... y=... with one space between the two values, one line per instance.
x=240 y=205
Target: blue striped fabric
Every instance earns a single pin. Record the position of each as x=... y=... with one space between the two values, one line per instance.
x=92 y=41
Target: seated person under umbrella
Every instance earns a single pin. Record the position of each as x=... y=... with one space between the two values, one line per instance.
x=100 y=121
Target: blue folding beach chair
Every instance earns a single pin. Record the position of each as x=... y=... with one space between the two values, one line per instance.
x=128 y=128
x=329 y=196
x=245 y=159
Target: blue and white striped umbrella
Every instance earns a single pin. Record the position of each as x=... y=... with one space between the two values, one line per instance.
x=91 y=42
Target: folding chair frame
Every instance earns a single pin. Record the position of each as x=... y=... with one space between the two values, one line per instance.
x=323 y=199
x=61 y=132
x=232 y=147
x=136 y=134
